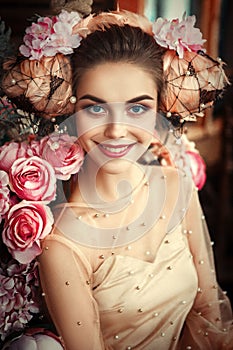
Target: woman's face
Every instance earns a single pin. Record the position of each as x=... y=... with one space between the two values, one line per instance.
x=116 y=112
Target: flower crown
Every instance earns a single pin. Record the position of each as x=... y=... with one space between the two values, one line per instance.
x=40 y=79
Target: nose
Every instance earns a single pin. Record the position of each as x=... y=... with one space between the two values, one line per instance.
x=115 y=130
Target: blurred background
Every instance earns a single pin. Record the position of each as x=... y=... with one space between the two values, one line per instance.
x=213 y=135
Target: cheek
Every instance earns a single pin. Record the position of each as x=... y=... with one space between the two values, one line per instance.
x=143 y=135
x=145 y=126
x=87 y=139
x=84 y=131
x=84 y=141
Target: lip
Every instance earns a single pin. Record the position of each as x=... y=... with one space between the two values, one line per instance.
x=115 y=151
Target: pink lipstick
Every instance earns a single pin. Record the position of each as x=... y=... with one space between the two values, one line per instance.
x=115 y=151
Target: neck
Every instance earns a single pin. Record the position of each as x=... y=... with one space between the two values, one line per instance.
x=96 y=185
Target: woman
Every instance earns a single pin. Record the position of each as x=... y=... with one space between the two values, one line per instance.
x=119 y=291
x=128 y=264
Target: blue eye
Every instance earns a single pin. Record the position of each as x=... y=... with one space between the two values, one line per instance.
x=96 y=110
x=137 y=109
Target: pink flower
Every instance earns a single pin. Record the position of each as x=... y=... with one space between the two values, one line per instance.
x=188 y=159
x=33 y=148
x=36 y=37
x=10 y=152
x=50 y=36
x=178 y=35
x=4 y=194
x=33 y=179
x=198 y=169
x=18 y=296
x=64 y=153
x=26 y=224
x=196 y=162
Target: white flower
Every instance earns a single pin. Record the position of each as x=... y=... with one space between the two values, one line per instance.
x=178 y=35
x=50 y=36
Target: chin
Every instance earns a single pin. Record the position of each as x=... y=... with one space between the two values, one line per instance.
x=117 y=166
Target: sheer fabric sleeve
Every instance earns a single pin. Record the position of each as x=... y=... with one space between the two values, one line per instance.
x=66 y=285
x=209 y=323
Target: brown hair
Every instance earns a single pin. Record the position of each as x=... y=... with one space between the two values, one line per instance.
x=119 y=44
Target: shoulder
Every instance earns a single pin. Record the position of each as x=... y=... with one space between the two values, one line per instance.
x=174 y=190
x=53 y=249
x=60 y=250
x=173 y=177
x=58 y=257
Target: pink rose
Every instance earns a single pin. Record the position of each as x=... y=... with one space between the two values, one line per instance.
x=26 y=223
x=33 y=179
x=64 y=154
x=10 y=152
x=33 y=148
x=4 y=194
x=198 y=169
x=14 y=150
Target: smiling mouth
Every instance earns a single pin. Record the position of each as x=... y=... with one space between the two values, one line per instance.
x=115 y=151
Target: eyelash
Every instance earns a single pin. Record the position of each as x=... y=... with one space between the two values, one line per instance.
x=144 y=108
x=94 y=106
x=89 y=106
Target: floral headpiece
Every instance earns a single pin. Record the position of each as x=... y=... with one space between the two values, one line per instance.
x=193 y=80
x=40 y=79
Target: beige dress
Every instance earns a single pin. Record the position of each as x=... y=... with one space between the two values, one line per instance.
x=156 y=292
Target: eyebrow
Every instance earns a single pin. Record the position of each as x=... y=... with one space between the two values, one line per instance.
x=100 y=100
x=93 y=98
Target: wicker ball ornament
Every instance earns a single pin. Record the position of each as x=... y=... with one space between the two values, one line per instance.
x=192 y=84
x=42 y=87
